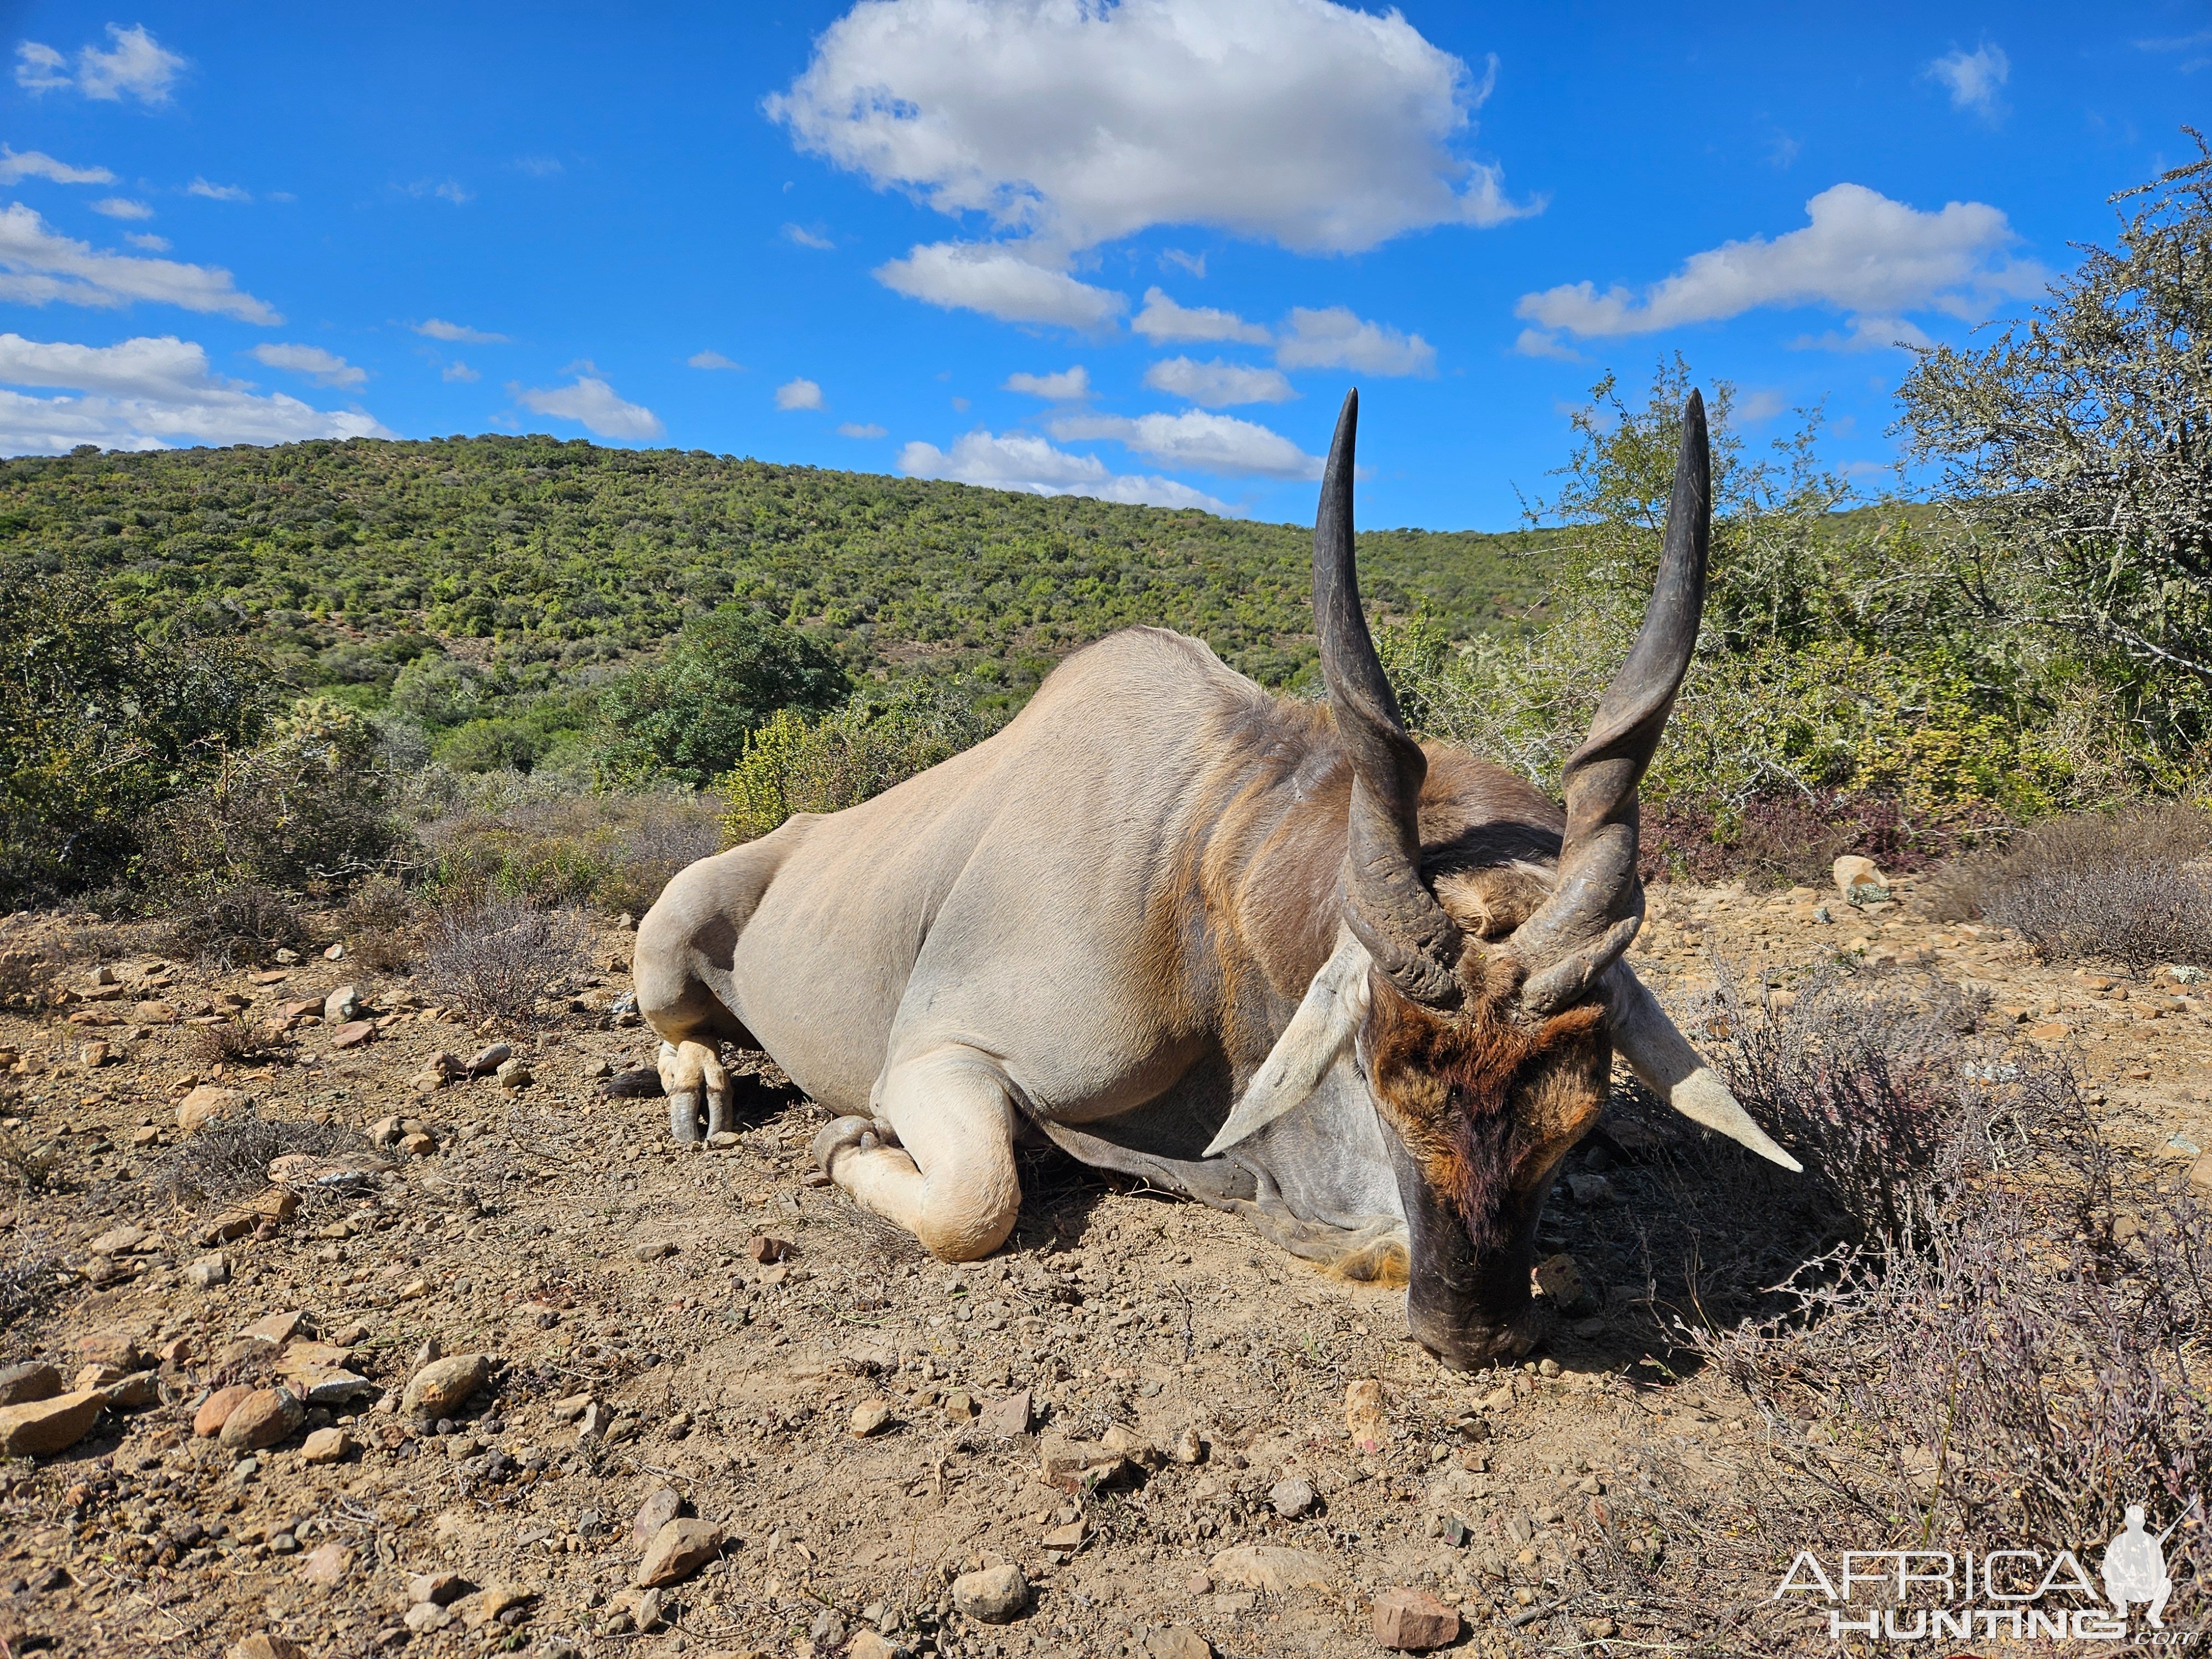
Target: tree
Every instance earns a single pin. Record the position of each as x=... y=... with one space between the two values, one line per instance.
x=687 y=718
x=2080 y=439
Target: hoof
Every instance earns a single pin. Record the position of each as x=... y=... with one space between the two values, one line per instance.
x=684 y=1114
x=722 y=1112
x=835 y=1137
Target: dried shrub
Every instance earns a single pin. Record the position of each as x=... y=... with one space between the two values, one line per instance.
x=229 y=1159
x=1880 y=1088
x=614 y=851
x=2134 y=886
x=501 y=959
x=1777 y=840
x=243 y=924
x=27 y=979
x=30 y=1278
x=235 y=1042
x=28 y=1166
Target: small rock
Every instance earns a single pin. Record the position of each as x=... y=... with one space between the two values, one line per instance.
x=207 y=1272
x=867 y=1644
x=117 y=1241
x=262 y=1419
x=1069 y=1537
x=1272 y=1568
x=352 y=1035
x=210 y=1104
x=514 y=1074
x=418 y=1145
x=32 y=1380
x=93 y=1056
x=487 y=1059
x=1362 y=1413
x=117 y=1348
x=215 y=1410
x=1291 y=1497
x=278 y=1328
x=1413 y=1620
x=593 y=1423
x=439 y=1387
x=327 y=1566
x=1008 y=1418
x=426 y=1616
x=960 y=1404
x=764 y=1250
x=1188 y=1448
x=1559 y=1277
x=328 y=1446
x=1178 y=1641
x=1133 y=1446
x=135 y=1392
x=342 y=1005
x=39 y=1428
x=264 y=1644
x=678 y=1550
x=871 y=1417
x=656 y=1250
x=488 y=1603
x=438 y=1588
x=996 y=1596
x=662 y=1505
x=1199 y=1583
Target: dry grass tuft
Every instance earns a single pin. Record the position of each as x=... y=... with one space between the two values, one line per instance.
x=501 y=959
x=243 y=924
x=229 y=1160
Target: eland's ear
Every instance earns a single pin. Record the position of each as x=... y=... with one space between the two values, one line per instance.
x=1658 y=1052
x=1326 y=1021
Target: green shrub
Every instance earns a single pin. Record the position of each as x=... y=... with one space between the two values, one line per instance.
x=97 y=727
x=616 y=851
x=489 y=745
x=687 y=718
x=793 y=764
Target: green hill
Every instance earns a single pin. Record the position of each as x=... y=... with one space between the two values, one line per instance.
x=345 y=560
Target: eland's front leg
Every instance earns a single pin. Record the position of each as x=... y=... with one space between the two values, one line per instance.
x=950 y=1180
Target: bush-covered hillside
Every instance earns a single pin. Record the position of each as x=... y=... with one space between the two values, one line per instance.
x=350 y=560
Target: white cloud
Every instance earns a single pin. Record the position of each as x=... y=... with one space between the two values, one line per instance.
x=37 y=164
x=1973 y=78
x=1016 y=461
x=1861 y=254
x=122 y=207
x=592 y=404
x=1000 y=283
x=861 y=429
x=1534 y=342
x=1206 y=443
x=806 y=238
x=446 y=190
x=712 y=360
x=1334 y=339
x=217 y=193
x=134 y=64
x=1069 y=385
x=801 y=393
x=148 y=240
x=1218 y=384
x=1162 y=319
x=323 y=367
x=146 y=394
x=1193 y=263
x=458 y=370
x=40 y=266
x=1315 y=125
x=437 y=328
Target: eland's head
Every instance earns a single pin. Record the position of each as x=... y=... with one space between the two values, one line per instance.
x=1477 y=986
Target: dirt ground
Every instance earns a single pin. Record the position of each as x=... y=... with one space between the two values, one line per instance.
x=1122 y=1404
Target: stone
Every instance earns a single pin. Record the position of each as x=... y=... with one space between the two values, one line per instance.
x=215 y=1411
x=418 y=1145
x=763 y=1249
x=426 y=1616
x=1270 y=1567
x=135 y=1392
x=93 y=1056
x=33 y=1379
x=155 y=1013
x=1291 y=1497
x=995 y=1595
x=1188 y=1448
x=352 y=1035
x=1559 y=1277
x=678 y=1550
x=117 y=1348
x=1069 y=1537
x=1859 y=880
x=514 y=1074
x=1178 y=1642
x=487 y=1059
x=438 y=1588
x=118 y=1240
x=334 y=1388
x=656 y=1250
x=278 y=1328
x=40 y=1428
x=1078 y=1467
x=1413 y=1620
x=342 y=1005
x=328 y=1566
x=592 y=1422
x=96 y=1377
x=209 y=1104
x=868 y=1644
x=261 y=1419
x=266 y=1644
x=487 y=1604
x=662 y=1504
x=439 y=1388
x=1134 y=1446
x=1008 y=1418
x=871 y=1417
x=206 y=1272
x=1362 y=1413
x=328 y=1446
x=277 y=1204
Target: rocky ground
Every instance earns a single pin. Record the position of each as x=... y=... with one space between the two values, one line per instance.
x=525 y=1377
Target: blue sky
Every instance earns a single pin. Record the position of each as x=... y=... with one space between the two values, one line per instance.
x=1136 y=250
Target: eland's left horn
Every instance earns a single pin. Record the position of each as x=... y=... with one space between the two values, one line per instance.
x=1598 y=903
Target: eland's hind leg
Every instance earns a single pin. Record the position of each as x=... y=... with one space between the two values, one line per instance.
x=951 y=1179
